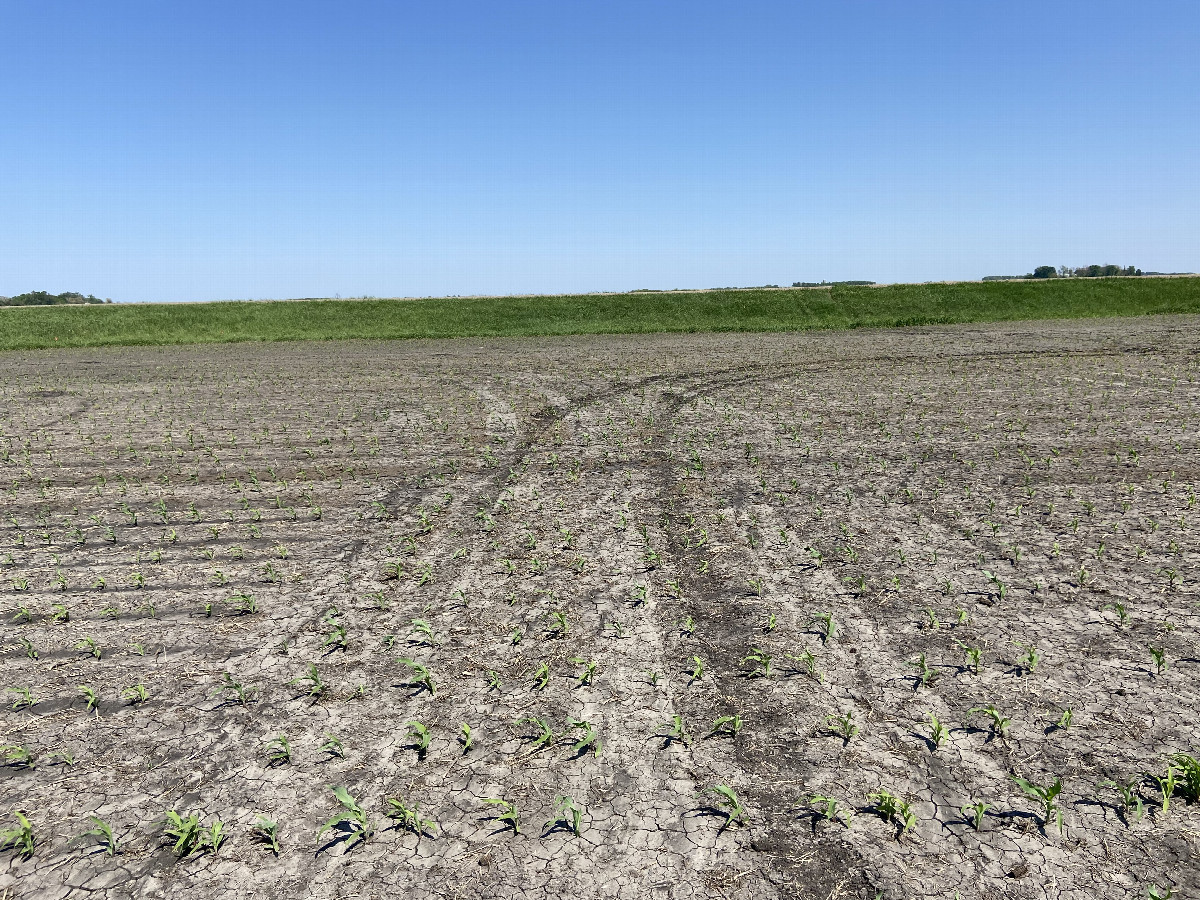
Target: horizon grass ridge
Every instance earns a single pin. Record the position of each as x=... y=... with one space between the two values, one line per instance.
x=740 y=310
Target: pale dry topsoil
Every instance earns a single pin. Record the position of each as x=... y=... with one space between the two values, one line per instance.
x=685 y=557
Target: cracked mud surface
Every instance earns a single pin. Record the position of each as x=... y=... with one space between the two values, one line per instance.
x=681 y=502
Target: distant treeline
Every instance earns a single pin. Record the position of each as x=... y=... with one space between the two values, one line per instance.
x=831 y=283
x=44 y=298
x=1080 y=272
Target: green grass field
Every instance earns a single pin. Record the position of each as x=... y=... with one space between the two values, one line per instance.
x=735 y=310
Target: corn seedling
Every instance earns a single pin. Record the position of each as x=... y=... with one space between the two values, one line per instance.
x=937 y=732
x=1028 y=662
x=419 y=735
x=729 y=725
x=408 y=817
x=182 y=831
x=18 y=756
x=352 y=821
x=688 y=626
x=559 y=627
x=542 y=675
x=771 y=624
x=998 y=723
x=972 y=655
x=89 y=694
x=89 y=646
x=421 y=632
x=24 y=698
x=1047 y=796
x=135 y=693
x=761 y=661
x=828 y=630
x=465 y=737
x=267 y=831
x=809 y=662
x=494 y=683
x=337 y=637
x=333 y=745
x=1166 y=786
x=974 y=813
x=1158 y=656
x=676 y=731
x=1119 y=608
x=20 y=837
x=843 y=725
x=214 y=836
x=697 y=668
x=316 y=687
x=1132 y=805
x=30 y=650
x=829 y=809
x=589 y=669
x=1064 y=721
x=728 y=803
x=1000 y=586
x=1154 y=892
x=544 y=736
x=931 y=619
x=567 y=813
x=895 y=810
x=102 y=834
x=229 y=683
x=924 y=674
x=507 y=814
x=278 y=750
x=59 y=613
x=588 y=739
x=1189 y=769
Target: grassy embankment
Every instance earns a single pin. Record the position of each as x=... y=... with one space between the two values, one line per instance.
x=737 y=310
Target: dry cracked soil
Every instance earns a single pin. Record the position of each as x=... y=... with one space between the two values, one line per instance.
x=902 y=613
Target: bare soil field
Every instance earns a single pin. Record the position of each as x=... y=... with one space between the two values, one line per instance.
x=900 y=613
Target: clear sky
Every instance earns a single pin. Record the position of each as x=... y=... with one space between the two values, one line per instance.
x=204 y=150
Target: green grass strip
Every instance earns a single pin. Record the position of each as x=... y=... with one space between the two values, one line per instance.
x=736 y=310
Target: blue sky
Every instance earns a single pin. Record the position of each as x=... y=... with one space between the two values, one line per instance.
x=190 y=151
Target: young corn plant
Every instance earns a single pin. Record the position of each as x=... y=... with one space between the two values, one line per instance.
x=761 y=660
x=89 y=645
x=895 y=810
x=567 y=815
x=843 y=725
x=465 y=737
x=589 y=739
x=997 y=722
x=1189 y=770
x=266 y=831
x=182 y=831
x=20 y=837
x=727 y=804
x=1166 y=786
x=809 y=664
x=937 y=732
x=675 y=731
x=589 y=670
x=924 y=675
x=315 y=686
x=697 y=669
x=729 y=725
x=407 y=817
x=333 y=745
x=1028 y=661
x=24 y=698
x=229 y=684
x=1158 y=656
x=421 y=678
x=352 y=824
x=135 y=693
x=278 y=751
x=544 y=736
x=101 y=834
x=420 y=736
x=214 y=836
x=1132 y=806
x=18 y=756
x=507 y=813
x=830 y=809
x=974 y=813
x=828 y=627
x=1047 y=796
